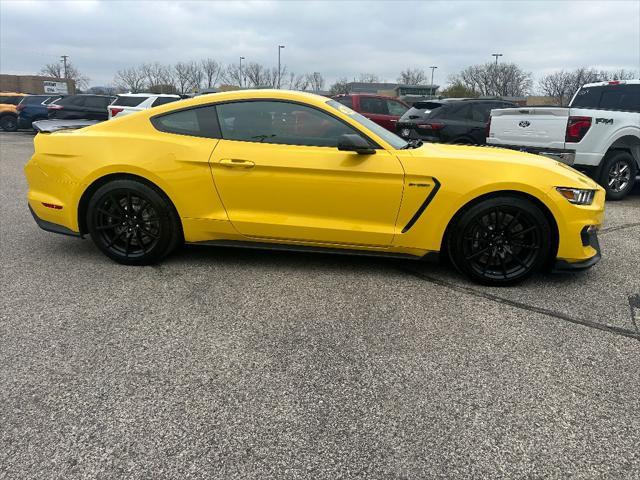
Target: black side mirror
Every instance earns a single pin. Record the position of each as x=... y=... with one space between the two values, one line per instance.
x=352 y=142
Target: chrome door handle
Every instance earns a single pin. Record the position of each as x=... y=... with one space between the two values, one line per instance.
x=236 y=163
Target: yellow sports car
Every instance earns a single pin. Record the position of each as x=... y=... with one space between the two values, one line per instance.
x=281 y=169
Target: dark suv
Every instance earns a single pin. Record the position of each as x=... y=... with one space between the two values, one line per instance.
x=33 y=108
x=74 y=107
x=461 y=121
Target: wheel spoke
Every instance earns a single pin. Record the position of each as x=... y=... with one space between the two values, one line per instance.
x=115 y=239
x=514 y=219
x=108 y=227
x=117 y=204
x=139 y=238
x=522 y=245
x=478 y=253
x=127 y=245
x=149 y=233
x=526 y=230
x=504 y=267
x=108 y=213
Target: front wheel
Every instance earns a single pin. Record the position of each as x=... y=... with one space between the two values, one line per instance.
x=132 y=223
x=500 y=241
x=618 y=174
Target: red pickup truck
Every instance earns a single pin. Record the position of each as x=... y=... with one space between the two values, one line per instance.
x=385 y=111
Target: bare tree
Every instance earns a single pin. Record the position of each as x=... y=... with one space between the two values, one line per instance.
x=315 y=81
x=562 y=85
x=340 y=86
x=158 y=76
x=368 y=78
x=233 y=76
x=56 y=70
x=131 y=79
x=212 y=72
x=196 y=75
x=415 y=76
x=503 y=80
x=182 y=74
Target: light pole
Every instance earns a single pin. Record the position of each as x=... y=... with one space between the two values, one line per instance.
x=241 y=58
x=496 y=55
x=433 y=68
x=280 y=47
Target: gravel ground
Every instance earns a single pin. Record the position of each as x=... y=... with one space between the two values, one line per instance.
x=223 y=363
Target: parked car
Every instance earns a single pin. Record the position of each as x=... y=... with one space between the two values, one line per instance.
x=33 y=108
x=385 y=111
x=127 y=103
x=291 y=170
x=598 y=134
x=460 y=121
x=8 y=111
x=83 y=106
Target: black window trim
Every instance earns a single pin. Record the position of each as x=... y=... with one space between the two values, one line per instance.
x=155 y=121
x=155 y=118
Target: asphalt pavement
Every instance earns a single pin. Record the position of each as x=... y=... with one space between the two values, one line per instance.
x=241 y=364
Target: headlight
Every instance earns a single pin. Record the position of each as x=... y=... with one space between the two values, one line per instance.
x=577 y=196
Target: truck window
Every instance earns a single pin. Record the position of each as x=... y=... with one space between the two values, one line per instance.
x=346 y=101
x=624 y=98
x=373 y=105
x=587 y=98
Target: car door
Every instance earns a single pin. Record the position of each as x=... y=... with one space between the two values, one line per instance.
x=280 y=176
x=375 y=108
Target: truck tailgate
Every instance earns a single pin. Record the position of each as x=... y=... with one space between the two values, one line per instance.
x=543 y=127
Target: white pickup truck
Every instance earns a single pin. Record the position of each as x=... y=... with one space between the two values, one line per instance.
x=598 y=134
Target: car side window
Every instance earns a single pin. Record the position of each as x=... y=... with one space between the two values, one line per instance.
x=396 y=108
x=94 y=102
x=195 y=122
x=346 y=101
x=374 y=105
x=480 y=112
x=623 y=99
x=284 y=123
x=460 y=112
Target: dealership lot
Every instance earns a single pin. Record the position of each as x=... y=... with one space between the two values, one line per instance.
x=222 y=363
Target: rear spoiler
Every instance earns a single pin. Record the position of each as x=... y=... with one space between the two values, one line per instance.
x=50 y=126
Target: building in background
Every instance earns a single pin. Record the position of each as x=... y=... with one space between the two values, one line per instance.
x=36 y=84
x=406 y=93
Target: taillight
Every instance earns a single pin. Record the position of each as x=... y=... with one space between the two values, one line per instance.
x=431 y=126
x=53 y=106
x=487 y=127
x=115 y=111
x=614 y=82
x=577 y=127
x=19 y=108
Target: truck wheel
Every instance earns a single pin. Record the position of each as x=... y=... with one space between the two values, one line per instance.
x=618 y=174
x=9 y=123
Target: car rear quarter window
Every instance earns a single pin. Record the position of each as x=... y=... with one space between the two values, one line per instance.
x=373 y=105
x=195 y=122
x=127 y=101
x=163 y=101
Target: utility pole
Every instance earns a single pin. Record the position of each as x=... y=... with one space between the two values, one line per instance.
x=496 y=55
x=280 y=47
x=433 y=68
x=241 y=58
x=64 y=62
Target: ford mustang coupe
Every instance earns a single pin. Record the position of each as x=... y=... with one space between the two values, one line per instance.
x=281 y=169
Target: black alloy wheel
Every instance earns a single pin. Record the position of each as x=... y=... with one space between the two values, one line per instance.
x=9 y=123
x=501 y=241
x=132 y=223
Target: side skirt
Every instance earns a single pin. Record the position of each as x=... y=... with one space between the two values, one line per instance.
x=307 y=249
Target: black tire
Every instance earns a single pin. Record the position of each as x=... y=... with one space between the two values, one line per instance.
x=143 y=237
x=618 y=174
x=9 y=123
x=500 y=241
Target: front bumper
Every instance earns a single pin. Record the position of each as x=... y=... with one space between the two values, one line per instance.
x=589 y=238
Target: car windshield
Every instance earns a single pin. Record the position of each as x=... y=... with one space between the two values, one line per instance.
x=391 y=138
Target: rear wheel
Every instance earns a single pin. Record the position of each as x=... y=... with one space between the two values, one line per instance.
x=9 y=123
x=500 y=241
x=618 y=174
x=132 y=223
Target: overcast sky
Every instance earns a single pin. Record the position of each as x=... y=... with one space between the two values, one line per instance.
x=337 y=38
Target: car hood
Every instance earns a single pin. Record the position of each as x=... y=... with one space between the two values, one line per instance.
x=493 y=156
